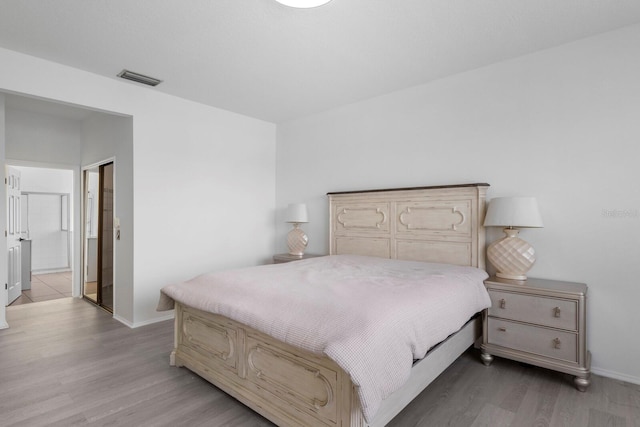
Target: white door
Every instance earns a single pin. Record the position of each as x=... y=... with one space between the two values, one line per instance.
x=14 y=284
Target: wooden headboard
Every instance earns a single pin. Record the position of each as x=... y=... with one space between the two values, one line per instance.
x=436 y=224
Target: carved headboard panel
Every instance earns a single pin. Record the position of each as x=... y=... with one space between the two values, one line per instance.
x=437 y=224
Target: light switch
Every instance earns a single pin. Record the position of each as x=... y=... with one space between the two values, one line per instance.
x=116 y=226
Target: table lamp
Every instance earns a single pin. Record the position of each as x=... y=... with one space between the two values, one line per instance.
x=296 y=239
x=511 y=255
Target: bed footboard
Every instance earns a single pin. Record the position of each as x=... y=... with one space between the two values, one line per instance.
x=288 y=386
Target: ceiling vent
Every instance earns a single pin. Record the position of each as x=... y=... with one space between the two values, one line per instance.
x=139 y=78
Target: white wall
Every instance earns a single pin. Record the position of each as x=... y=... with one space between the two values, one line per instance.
x=43 y=180
x=203 y=187
x=561 y=125
x=43 y=138
x=204 y=196
x=110 y=137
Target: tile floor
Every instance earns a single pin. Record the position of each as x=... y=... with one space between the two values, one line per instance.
x=46 y=287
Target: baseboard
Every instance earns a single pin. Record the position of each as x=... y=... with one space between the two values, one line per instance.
x=615 y=375
x=51 y=271
x=123 y=321
x=4 y=325
x=169 y=316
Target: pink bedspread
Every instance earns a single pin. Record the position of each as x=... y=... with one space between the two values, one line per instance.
x=372 y=316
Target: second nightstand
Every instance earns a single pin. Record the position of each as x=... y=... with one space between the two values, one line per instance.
x=541 y=322
x=282 y=258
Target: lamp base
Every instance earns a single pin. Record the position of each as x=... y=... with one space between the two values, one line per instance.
x=518 y=277
x=297 y=241
x=511 y=256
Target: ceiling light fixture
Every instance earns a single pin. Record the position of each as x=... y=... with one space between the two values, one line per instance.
x=303 y=4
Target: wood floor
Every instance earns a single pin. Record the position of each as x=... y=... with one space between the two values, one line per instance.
x=68 y=363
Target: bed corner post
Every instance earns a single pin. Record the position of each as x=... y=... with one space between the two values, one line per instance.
x=176 y=328
x=356 y=416
x=332 y=241
x=482 y=207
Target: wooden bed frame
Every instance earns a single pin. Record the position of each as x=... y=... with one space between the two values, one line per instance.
x=292 y=387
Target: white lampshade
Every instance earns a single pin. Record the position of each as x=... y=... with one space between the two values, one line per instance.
x=303 y=4
x=513 y=212
x=297 y=213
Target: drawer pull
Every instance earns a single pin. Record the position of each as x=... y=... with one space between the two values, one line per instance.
x=556 y=343
x=503 y=303
x=502 y=329
x=556 y=312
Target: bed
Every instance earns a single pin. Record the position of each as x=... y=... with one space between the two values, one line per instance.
x=292 y=386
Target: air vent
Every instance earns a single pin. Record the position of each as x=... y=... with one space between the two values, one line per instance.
x=139 y=78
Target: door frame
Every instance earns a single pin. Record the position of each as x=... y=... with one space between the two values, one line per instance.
x=13 y=233
x=75 y=208
x=83 y=237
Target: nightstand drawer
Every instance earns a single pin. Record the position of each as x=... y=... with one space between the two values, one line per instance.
x=532 y=339
x=553 y=312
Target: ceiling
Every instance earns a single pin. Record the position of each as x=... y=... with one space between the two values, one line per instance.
x=265 y=60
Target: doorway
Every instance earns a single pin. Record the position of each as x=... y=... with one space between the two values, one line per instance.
x=98 y=235
x=40 y=217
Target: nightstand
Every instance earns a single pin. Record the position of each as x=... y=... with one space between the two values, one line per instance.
x=282 y=258
x=541 y=322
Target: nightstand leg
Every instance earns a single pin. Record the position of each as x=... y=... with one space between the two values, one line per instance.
x=582 y=383
x=486 y=358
